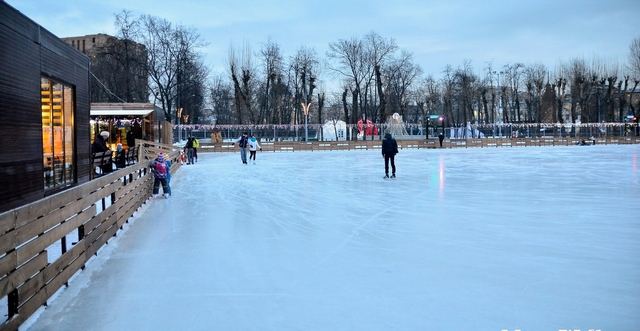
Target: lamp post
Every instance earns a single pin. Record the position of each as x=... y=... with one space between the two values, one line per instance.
x=426 y=130
x=178 y=117
x=305 y=110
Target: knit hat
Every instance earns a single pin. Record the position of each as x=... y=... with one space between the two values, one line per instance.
x=104 y=134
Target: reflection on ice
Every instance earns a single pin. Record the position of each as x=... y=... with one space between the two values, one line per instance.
x=529 y=238
x=441 y=176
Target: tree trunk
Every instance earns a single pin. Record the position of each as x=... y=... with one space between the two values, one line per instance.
x=345 y=107
x=382 y=106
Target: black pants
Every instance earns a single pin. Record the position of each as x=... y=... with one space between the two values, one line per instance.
x=165 y=186
x=388 y=157
x=252 y=155
x=195 y=154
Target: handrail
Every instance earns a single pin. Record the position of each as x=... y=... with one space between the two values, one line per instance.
x=31 y=270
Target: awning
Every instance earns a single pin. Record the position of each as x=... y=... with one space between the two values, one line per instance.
x=120 y=112
x=122 y=109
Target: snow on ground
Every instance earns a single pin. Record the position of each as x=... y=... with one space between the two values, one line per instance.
x=464 y=239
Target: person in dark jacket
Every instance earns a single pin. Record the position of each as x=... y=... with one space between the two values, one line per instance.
x=243 y=142
x=131 y=139
x=99 y=143
x=120 y=159
x=389 y=151
x=99 y=146
x=189 y=149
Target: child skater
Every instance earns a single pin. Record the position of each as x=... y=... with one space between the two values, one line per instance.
x=253 y=147
x=161 y=175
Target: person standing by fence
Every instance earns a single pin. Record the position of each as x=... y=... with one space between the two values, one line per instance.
x=242 y=142
x=389 y=151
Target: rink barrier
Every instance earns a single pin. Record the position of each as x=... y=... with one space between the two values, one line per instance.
x=290 y=146
x=36 y=257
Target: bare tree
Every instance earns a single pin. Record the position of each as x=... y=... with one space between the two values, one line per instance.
x=242 y=73
x=272 y=63
x=352 y=65
x=119 y=64
x=513 y=76
x=379 y=50
x=534 y=82
x=634 y=58
x=168 y=48
x=401 y=74
x=221 y=96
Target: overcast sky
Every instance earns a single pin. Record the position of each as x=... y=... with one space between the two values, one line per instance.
x=436 y=32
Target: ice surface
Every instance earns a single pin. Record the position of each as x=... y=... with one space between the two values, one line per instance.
x=464 y=239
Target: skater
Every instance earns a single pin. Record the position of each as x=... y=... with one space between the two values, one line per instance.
x=253 y=147
x=188 y=147
x=441 y=138
x=242 y=142
x=196 y=145
x=160 y=169
x=389 y=151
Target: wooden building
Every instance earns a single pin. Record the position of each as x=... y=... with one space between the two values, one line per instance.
x=44 y=112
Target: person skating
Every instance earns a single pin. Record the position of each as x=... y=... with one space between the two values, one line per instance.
x=189 y=149
x=441 y=139
x=196 y=145
x=242 y=142
x=253 y=147
x=389 y=151
x=160 y=169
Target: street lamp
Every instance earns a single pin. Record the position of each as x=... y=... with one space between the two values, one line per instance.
x=178 y=117
x=305 y=110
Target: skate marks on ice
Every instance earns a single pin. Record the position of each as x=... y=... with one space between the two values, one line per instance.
x=462 y=240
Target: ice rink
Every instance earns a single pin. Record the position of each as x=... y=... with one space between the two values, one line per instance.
x=464 y=239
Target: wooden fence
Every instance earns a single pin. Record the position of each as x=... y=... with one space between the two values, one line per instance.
x=36 y=257
x=292 y=146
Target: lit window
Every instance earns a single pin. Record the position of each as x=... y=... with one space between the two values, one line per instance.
x=57 y=134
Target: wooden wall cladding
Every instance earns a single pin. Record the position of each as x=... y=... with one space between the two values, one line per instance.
x=27 y=52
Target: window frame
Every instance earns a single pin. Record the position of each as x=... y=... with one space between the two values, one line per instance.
x=73 y=180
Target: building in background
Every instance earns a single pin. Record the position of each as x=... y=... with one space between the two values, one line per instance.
x=118 y=66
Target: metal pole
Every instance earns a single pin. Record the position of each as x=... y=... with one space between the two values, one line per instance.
x=306 y=129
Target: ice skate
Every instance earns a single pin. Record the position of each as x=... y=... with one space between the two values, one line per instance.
x=393 y=176
x=386 y=177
